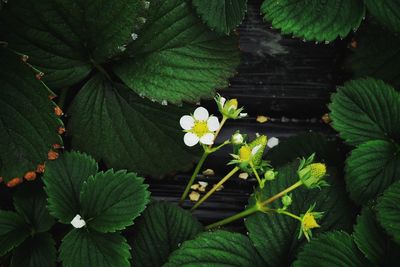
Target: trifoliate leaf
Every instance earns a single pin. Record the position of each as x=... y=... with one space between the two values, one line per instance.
x=218 y=248
x=302 y=146
x=377 y=54
x=275 y=235
x=373 y=242
x=159 y=231
x=318 y=20
x=90 y=248
x=114 y=125
x=386 y=12
x=177 y=58
x=332 y=249
x=65 y=39
x=371 y=168
x=388 y=211
x=37 y=251
x=110 y=201
x=366 y=109
x=30 y=202
x=13 y=231
x=63 y=179
x=28 y=125
x=221 y=15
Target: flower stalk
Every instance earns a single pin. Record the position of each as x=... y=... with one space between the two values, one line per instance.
x=221 y=182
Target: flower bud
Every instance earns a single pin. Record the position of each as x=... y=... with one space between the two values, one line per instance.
x=228 y=108
x=237 y=139
x=287 y=200
x=270 y=175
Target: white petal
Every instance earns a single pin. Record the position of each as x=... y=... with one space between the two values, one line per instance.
x=242 y=115
x=273 y=141
x=207 y=139
x=213 y=123
x=222 y=101
x=255 y=149
x=186 y=122
x=200 y=114
x=78 y=222
x=190 y=139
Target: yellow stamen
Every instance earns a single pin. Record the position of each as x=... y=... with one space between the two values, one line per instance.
x=200 y=128
x=317 y=170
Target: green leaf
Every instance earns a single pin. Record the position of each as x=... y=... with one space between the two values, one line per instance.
x=221 y=15
x=366 y=109
x=37 y=251
x=159 y=231
x=377 y=54
x=275 y=235
x=65 y=38
x=386 y=12
x=335 y=249
x=388 y=211
x=318 y=20
x=373 y=242
x=30 y=202
x=371 y=168
x=303 y=145
x=177 y=58
x=63 y=179
x=13 y=231
x=90 y=248
x=114 y=125
x=28 y=125
x=110 y=201
x=218 y=248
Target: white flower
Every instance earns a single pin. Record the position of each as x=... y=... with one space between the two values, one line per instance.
x=273 y=141
x=78 y=222
x=199 y=128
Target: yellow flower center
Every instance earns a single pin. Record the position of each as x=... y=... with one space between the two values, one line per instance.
x=309 y=221
x=200 y=128
x=317 y=170
x=245 y=153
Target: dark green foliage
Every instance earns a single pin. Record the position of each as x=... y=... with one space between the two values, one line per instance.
x=161 y=229
x=388 y=210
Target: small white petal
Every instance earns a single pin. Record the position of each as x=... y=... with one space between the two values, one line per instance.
x=273 y=141
x=207 y=139
x=222 y=101
x=200 y=114
x=242 y=115
x=78 y=222
x=190 y=139
x=213 y=123
x=203 y=184
x=255 y=149
x=187 y=122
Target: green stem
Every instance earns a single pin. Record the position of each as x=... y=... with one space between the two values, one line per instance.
x=224 y=119
x=209 y=193
x=288 y=214
x=256 y=174
x=235 y=217
x=258 y=207
x=281 y=194
x=191 y=181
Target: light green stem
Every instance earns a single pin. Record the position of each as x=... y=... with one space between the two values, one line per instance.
x=289 y=214
x=209 y=193
x=191 y=181
x=258 y=207
x=256 y=174
x=235 y=217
